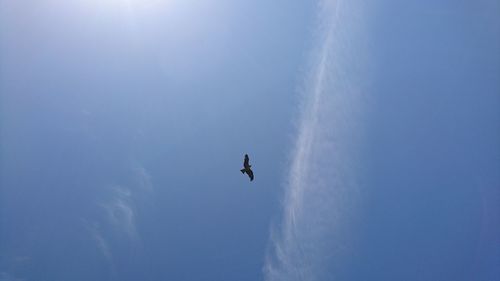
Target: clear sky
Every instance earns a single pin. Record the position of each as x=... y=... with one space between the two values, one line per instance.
x=373 y=128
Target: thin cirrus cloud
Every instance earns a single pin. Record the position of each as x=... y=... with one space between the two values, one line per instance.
x=120 y=211
x=321 y=189
x=116 y=221
x=102 y=244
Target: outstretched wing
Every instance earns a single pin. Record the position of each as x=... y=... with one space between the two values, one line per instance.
x=245 y=164
x=250 y=174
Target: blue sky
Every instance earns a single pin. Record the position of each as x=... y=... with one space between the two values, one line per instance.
x=373 y=130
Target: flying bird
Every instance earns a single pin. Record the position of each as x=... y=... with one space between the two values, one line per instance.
x=246 y=168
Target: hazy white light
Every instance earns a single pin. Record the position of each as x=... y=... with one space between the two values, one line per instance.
x=129 y=7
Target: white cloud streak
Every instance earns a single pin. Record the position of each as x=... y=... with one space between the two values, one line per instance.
x=117 y=221
x=102 y=244
x=120 y=211
x=321 y=191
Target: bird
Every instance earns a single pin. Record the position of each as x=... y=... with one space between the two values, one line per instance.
x=247 y=168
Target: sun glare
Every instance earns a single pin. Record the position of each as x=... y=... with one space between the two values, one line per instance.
x=129 y=7
x=141 y=4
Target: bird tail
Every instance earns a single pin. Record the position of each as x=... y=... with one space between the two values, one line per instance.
x=242 y=171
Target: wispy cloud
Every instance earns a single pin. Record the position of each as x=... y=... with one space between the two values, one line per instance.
x=116 y=222
x=321 y=189
x=143 y=178
x=102 y=244
x=120 y=211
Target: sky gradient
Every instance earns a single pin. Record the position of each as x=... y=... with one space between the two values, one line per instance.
x=373 y=130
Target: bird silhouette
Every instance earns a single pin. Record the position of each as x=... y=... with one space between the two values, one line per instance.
x=247 y=168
